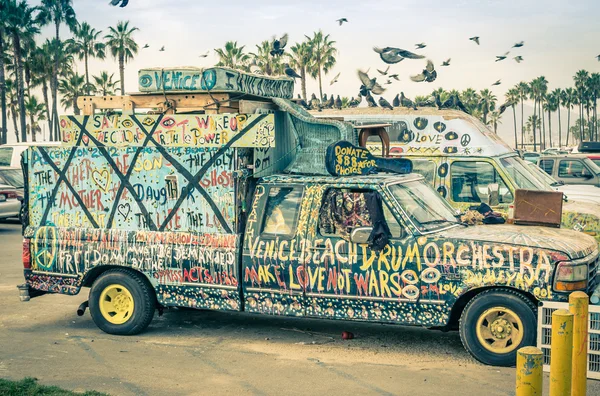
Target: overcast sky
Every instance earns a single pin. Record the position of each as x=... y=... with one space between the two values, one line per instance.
x=560 y=36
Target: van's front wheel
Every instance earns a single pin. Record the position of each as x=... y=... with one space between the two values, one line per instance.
x=121 y=302
x=495 y=324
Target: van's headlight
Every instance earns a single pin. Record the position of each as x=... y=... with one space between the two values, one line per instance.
x=570 y=277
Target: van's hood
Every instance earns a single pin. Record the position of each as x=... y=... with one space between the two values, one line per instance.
x=574 y=244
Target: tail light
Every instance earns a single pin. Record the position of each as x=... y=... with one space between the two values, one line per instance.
x=9 y=194
x=26 y=254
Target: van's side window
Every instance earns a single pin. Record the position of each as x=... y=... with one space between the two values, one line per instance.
x=342 y=211
x=470 y=181
x=425 y=168
x=281 y=212
x=572 y=168
x=547 y=165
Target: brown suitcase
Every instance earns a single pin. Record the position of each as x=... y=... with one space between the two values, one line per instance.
x=533 y=207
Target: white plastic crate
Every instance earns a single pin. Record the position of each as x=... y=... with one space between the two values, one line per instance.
x=544 y=335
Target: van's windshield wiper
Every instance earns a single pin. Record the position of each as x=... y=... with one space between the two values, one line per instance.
x=438 y=221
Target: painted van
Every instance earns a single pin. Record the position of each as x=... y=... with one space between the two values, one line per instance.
x=176 y=210
x=461 y=158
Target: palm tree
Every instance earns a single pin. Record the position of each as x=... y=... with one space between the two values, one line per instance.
x=541 y=89
x=512 y=98
x=105 y=84
x=22 y=23
x=232 y=56
x=41 y=70
x=57 y=12
x=594 y=84
x=558 y=96
x=580 y=78
x=551 y=105
x=13 y=104
x=323 y=56
x=523 y=89
x=569 y=99
x=300 y=55
x=71 y=88
x=487 y=103
x=35 y=110
x=86 y=44
x=533 y=121
x=3 y=115
x=268 y=64
x=494 y=120
x=470 y=99
x=122 y=47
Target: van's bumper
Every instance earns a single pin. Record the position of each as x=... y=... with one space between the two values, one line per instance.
x=26 y=292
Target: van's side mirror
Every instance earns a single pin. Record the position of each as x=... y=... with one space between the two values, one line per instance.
x=493 y=194
x=360 y=235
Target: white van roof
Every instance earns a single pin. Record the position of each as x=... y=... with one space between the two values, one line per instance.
x=427 y=131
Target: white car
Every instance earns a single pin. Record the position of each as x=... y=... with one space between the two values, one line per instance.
x=10 y=205
x=10 y=154
x=575 y=192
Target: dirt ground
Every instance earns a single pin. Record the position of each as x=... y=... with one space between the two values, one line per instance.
x=188 y=352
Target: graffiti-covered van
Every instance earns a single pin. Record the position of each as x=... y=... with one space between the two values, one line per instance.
x=241 y=212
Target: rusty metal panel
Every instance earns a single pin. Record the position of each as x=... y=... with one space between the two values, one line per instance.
x=538 y=207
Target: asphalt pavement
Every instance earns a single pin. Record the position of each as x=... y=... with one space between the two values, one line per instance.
x=187 y=352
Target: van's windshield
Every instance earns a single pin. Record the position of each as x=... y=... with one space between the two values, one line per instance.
x=522 y=175
x=423 y=205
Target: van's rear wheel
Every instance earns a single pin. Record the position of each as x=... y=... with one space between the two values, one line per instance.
x=121 y=302
x=495 y=324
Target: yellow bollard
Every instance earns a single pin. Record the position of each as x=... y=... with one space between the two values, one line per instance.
x=529 y=371
x=561 y=354
x=578 y=306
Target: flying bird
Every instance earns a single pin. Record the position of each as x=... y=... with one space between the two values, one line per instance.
x=420 y=45
x=338 y=103
x=497 y=82
x=145 y=46
x=446 y=62
x=475 y=39
x=369 y=84
x=384 y=103
x=204 y=55
x=396 y=101
x=428 y=74
x=518 y=58
x=290 y=72
x=391 y=55
x=598 y=57
x=388 y=82
x=501 y=57
x=384 y=72
x=335 y=79
x=370 y=100
x=394 y=76
x=405 y=102
x=162 y=48
x=519 y=44
x=341 y=21
x=277 y=46
x=116 y=2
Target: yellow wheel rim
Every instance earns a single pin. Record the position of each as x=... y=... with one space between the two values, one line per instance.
x=499 y=330
x=116 y=304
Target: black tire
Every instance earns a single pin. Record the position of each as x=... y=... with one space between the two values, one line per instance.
x=144 y=301
x=489 y=302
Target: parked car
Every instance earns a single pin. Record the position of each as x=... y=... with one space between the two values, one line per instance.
x=12 y=177
x=10 y=205
x=595 y=158
x=577 y=192
x=571 y=169
x=531 y=156
x=10 y=154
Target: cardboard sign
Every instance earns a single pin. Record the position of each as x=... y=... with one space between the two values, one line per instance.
x=345 y=159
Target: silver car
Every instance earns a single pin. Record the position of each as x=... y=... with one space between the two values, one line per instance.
x=10 y=204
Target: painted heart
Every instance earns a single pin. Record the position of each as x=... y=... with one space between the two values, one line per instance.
x=124 y=210
x=85 y=139
x=102 y=179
